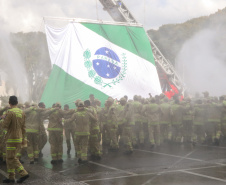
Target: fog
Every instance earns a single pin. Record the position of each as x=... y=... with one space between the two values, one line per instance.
x=202 y=62
x=14 y=69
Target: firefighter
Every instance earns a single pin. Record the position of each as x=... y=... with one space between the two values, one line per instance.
x=94 y=142
x=69 y=129
x=82 y=119
x=176 y=121
x=153 y=112
x=223 y=120
x=2 y=136
x=127 y=123
x=165 y=119
x=104 y=127
x=42 y=131
x=188 y=114
x=14 y=123
x=213 y=122
x=138 y=129
x=32 y=130
x=112 y=125
x=119 y=109
x=55 y=129
x=198 y=123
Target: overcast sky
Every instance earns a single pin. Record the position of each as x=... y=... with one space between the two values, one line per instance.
x=26 y=15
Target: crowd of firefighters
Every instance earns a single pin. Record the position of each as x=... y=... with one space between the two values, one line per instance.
x=119 y=123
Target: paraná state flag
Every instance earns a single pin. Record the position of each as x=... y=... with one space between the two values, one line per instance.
x=100 y=59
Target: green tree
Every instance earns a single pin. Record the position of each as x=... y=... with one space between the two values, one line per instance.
x=33 y=49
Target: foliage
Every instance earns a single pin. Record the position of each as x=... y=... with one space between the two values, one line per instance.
x=33 y=50
x=170 y=38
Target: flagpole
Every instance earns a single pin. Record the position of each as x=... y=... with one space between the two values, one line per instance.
x=80 y=20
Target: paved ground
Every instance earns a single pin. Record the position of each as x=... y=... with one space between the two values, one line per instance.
x=167 y=165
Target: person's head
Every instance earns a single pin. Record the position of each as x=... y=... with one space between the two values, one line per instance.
x=110 y=102
x=20 y=105
x=91 y=97
x=34 y=105
x=221 y=98
x=188 y=100
x=215 y=99
x=87 y=103
x=176 y=97
x=165 y=99
x=54 y=105
x=122 y=101
x=139 y=98
x=77 y=101
x=162 y=96
x=13 y=101
x=153 y=100
x=66 y=107
x=199 y=101
x=97 y=102
x=58 y=105
x=80 y=104
x=206 y=94
x=27 y=104
x=135 y=98
x=157 y=99
x=177 y=101
x=105 y=103
x=42 y=105
x=126 y=97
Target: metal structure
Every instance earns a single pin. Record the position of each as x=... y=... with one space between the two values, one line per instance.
x=118 y=11
x=167 y=73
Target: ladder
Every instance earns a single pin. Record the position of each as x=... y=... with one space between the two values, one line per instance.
x=120 y=13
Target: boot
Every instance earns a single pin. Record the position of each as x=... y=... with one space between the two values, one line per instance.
x=84 y=161
x=22 y=179
x=128 y=152
x=40 y=154
x=60 y=160
x=93 y=157
x=216 y=142
x=98 y=158
x=54 y=162
x=152 y=146
x=113 y=149
x=79 y=161
x=8 y=181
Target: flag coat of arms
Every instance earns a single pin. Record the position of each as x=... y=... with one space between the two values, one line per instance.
x=100 y=59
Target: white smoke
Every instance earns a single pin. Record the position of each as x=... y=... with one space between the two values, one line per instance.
x=13 y=67
x=202 y=62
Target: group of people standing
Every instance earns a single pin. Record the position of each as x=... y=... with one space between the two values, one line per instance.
x=129 y=123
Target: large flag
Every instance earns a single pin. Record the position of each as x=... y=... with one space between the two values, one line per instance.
x=100 y=59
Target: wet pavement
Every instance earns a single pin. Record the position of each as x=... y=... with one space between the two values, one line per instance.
x=166 y=165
